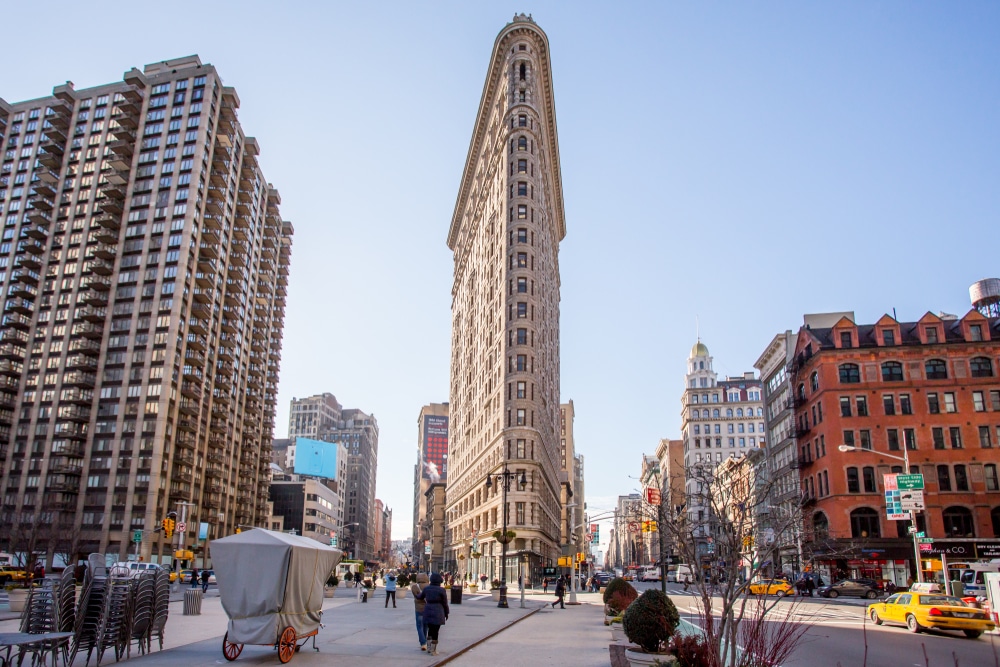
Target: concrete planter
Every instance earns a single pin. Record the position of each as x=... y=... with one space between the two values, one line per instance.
x=328 y=591
x=640 y=659
x=496 y=594
x=401 y=593
x=618 y=633
x=18 y=598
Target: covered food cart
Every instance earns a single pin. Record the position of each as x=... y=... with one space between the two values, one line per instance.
x=271 y=585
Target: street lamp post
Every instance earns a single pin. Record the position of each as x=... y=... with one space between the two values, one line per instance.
x=913 y=513
x=504 y=479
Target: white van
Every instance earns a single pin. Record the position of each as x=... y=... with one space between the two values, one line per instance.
x=682 y=572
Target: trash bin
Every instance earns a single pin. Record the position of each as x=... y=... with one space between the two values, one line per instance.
x=192 y=602
x=456 y=595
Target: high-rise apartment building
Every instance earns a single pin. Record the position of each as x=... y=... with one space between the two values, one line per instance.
x=144 y=272
x=505 y=234
x=358 y=433
x=308 y=417
x=719 y=419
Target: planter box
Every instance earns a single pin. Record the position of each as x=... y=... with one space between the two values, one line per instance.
x=640 y=659
x=473 y=588
x=18 y=598
x=618 y=633
x=328 y=591
x=496 y=594
x=401 y=593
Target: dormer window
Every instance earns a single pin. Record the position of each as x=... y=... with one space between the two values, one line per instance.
x=845 y=339
x=975 y=332
x=931 y=334
x=888 y=337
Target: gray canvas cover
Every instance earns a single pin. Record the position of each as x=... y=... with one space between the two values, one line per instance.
x=269 y=581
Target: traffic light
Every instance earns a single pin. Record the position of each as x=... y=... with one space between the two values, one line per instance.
x=168 y=527
x=748 y=540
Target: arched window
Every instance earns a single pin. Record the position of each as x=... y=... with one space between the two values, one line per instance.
x=715 y=413
x=739 y=412
x=892 y=371
x=958 y=522
x=821 y=526
x=981 y=367
x=936 y=369
x=849 y=374
x=814 y=381
x=995 y=515
x=864 y=523
x=729 y=412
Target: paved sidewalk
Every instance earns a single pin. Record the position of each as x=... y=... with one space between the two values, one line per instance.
x=370 y=634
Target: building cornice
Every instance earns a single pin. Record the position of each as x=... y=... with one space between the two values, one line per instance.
x=519 y=27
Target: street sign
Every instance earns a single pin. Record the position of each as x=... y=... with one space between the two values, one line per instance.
x=911 y=499
x=633 y=526
x=137 y=536
x=925 y=540
x=181 y=527
x=893 y=507
x=909 y=482
x=921 y=534
x=652 y=495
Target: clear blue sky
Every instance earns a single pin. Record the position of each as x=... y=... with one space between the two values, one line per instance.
x=739 y=164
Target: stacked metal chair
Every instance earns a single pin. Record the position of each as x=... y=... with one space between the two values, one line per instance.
x=66 y=607
x=50 y=607
x=161 y=606
x=144 y=595
x=90 y=613
x=116 y=624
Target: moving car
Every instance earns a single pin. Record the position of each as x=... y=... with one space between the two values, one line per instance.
x=778 y=587
x=862 y=588
x=8 y=574
x=920 y=611
x=604 y=577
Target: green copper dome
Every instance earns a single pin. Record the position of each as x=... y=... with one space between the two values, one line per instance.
x=699 y=350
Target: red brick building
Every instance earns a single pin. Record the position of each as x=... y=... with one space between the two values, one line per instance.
x=930 y=387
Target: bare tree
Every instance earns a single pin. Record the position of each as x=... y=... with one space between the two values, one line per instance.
x=718 y=532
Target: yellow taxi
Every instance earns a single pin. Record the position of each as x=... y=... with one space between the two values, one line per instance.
x=921 y=611
x=778 y=587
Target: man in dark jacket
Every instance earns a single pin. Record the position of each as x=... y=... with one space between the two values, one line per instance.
x=204 y=580
x=436 y=610
x=560 y=593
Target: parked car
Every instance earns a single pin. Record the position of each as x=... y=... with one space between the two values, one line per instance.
x=778 y=587
x=862 y=588
x=604 y=577
x=920 y=611
x=8 y=574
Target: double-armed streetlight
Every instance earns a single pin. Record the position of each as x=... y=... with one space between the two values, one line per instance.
x=913 y=514
x=504 y=479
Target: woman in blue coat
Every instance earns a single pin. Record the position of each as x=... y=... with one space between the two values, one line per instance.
x=435 y=610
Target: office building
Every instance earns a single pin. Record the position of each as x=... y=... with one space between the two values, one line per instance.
x=504 y=386
x=144 y=276
x=307 y=506
x=431 y=468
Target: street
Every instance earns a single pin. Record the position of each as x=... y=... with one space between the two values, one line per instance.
x=840 y=634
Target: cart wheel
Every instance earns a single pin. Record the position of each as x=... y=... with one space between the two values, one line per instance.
x=286 y=644
x=231 y=650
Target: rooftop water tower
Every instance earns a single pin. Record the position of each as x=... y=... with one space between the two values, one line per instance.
x=985 y=295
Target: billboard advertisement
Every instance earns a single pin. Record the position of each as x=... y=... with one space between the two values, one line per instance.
x=435 y=448
x=316 y=458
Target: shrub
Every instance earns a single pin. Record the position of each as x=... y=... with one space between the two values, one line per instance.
x=495 y=584
x=617 y=584
x=620 y=600
x=402 y=580
x=651 y=620
x=348 y=576
x=691 y=651
x=332 y=580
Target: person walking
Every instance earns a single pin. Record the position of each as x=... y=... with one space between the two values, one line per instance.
x=418 y=608
x=194 y=578
x=390 y=590
x=545 y=585
x=810 y=586
x=436 y=610
x=560 y=593
x=204 y=581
